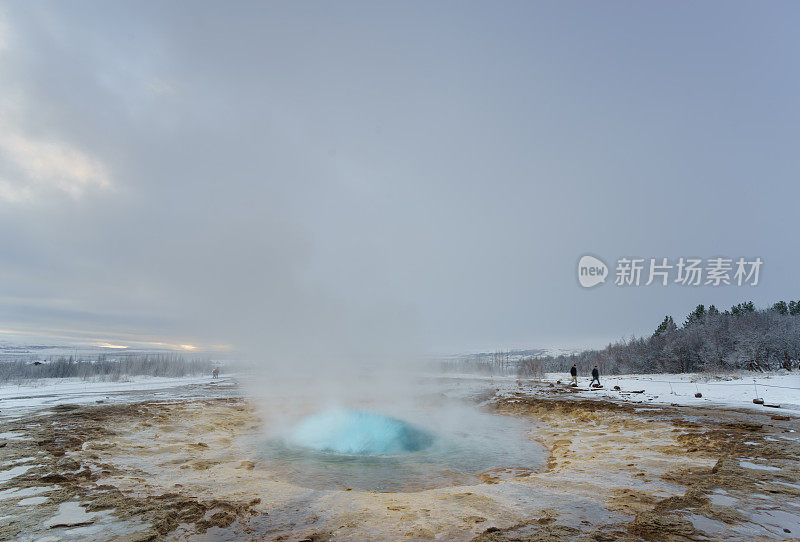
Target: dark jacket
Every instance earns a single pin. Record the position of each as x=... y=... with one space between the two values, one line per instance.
x=573 y=371
x=595 y=373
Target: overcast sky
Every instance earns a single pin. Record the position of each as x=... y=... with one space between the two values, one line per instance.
x=286 y=176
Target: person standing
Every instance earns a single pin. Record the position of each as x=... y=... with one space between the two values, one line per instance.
x=595 y=377
x=574 y=374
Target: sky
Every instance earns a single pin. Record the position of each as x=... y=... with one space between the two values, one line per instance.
x=363 y=179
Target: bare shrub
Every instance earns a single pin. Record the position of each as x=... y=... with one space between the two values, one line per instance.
x=531 y=367
x=102 y=368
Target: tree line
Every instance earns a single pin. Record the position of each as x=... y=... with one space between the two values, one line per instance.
x=170 y=365
x=742 y=337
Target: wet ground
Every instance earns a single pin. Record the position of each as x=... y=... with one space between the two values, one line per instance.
x=183 y=465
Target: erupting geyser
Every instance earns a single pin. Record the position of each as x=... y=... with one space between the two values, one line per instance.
x=358 y=433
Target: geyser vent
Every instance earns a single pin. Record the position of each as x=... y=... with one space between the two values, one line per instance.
x=354 y=432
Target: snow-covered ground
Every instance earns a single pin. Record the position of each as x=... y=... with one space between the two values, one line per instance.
x=16 y=399
x=730 y=391
x=733 y=390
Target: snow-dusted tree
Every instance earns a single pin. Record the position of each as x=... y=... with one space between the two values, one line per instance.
x=667 y=325
x=781 y=307
x=696 y=316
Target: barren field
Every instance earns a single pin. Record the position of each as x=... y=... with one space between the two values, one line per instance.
x=187 y=468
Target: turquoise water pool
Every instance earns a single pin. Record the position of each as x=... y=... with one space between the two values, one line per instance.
x=360 y=449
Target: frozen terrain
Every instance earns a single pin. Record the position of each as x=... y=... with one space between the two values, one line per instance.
x=733 y=390
x=184 y=458
x=19 y=398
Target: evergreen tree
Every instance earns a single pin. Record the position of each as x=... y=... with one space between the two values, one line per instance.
x=695 y=316
x=780 y=307
x=743 y=308
x=667 y=325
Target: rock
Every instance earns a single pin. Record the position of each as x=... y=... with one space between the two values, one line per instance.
x=141 y=536
x=650 y=524
x=693 y=498
x=758 y=401
x=540 y=530
x=222 y=519
x=68 y=464
x=53 y=478
x=782 y=418
x=698 y=395
x=421 y=533
x=726 y=465
x=317 y=537
x=617 y=388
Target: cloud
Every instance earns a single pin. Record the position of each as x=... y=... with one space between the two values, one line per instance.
x=39 y=168
x=160 y=87
x=4 y=32
x=34 y=168
x=274 y=187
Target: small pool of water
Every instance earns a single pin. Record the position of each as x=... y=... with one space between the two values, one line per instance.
x=355 y=432
x=370 y=450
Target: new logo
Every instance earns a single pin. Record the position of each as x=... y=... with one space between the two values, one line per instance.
x=591 y=271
